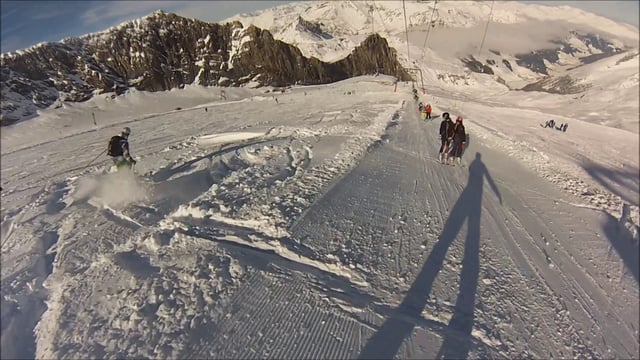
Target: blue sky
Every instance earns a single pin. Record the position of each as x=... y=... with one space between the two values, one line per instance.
x=26 y=23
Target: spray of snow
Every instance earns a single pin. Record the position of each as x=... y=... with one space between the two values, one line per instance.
x=116 y=190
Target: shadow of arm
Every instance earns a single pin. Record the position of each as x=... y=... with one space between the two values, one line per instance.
x=493 y=186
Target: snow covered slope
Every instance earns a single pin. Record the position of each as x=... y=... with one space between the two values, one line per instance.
x=524 y=44
x=258 y=228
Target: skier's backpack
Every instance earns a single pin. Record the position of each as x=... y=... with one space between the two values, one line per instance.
x=115 y=146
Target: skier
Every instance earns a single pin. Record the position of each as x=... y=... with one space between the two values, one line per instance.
x=551 y=123
x=459 y=139
x=427 y=109
x=119 y=150
x=446 y=133
x=564 y=128
x=420 y=106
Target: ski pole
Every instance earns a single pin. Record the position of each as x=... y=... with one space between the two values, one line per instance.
x=94 y=159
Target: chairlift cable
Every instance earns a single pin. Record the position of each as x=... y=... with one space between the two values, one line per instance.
x=406 y=30
x=429 y=28
x=380 y=16
x=485 y=29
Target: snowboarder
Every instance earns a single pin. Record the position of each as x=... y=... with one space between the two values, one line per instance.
x=459 y=139
x=420 y=106
x=119 y=150
x=427 y=109
x=446 y=133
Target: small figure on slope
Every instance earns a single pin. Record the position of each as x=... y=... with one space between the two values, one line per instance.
x=446 y=133
x=427 y=109
x=459 y=139
x=119 y=149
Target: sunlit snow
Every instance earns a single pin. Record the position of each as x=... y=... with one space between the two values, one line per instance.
x=319 y=223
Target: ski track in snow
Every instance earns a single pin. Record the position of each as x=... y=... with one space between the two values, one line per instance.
x=333 y=235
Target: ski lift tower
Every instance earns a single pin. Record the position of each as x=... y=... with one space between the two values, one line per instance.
x=414 y=72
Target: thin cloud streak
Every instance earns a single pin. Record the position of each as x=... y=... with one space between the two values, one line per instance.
x=8 y=13
x=50 y=14
x=120 y=11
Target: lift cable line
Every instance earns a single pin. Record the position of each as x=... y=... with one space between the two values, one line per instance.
x=380 y=16
x=485 y=29
x=406 y=30
x=424 y=46
x=373 y=30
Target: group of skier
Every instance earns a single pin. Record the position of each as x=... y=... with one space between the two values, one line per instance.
x=425 y=111
x=552 y=124
x=453 y=137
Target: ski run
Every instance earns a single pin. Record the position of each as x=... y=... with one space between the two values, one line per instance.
x=320 y=226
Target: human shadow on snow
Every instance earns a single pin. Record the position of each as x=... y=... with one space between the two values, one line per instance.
x=386 y=342
x=625 y=244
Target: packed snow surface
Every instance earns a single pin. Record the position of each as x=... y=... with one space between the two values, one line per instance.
x=319 y=223
x=318 y=226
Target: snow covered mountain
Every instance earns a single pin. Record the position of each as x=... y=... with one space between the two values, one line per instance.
x=164 y=51
x=526 y=47
x=537 y=37
x=317 y=221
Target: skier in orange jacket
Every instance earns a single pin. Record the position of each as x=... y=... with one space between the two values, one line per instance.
x=427 y=109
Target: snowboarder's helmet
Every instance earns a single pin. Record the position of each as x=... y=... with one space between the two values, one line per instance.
x=459 y=118
x=126 y=131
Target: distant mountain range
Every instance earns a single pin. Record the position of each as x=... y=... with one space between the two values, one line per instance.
x=528 y=47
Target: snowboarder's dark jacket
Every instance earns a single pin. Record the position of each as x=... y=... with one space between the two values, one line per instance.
x=459 y=134
x=446 y=129
x=118 y=146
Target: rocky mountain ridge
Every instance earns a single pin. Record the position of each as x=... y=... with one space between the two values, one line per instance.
x=164 y=51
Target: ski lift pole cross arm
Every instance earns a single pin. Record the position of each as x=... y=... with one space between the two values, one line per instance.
x=421 y=78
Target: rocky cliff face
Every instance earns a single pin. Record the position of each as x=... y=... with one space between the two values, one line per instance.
x=312 y=28
x=164 y=51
